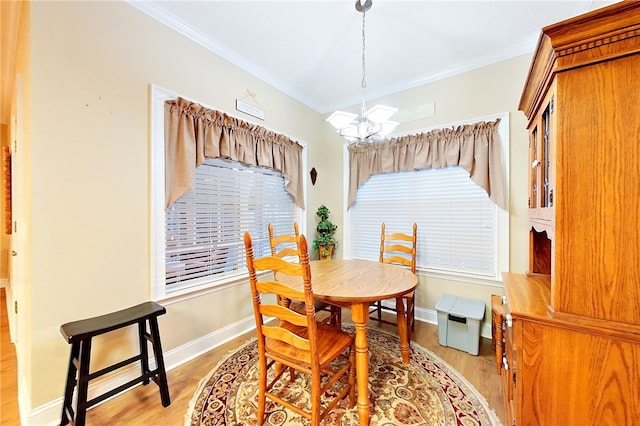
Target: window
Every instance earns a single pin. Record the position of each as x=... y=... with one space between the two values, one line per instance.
x=198 y=241
x=460 y=231
x=205 y=228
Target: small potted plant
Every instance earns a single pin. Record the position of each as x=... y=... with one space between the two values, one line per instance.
x=325 y=242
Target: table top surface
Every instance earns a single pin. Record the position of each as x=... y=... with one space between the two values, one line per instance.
x=352 y=280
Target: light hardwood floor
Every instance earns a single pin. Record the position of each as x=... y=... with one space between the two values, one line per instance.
x=9 y=414
x=141 y=405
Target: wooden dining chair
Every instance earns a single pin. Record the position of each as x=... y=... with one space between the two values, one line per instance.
x=298 y=341
x=286 y=245
x=398 y=248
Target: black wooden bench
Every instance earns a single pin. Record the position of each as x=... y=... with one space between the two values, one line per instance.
x=79 y=335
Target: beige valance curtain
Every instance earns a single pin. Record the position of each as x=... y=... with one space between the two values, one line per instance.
x=475 y=147
x=193 y=133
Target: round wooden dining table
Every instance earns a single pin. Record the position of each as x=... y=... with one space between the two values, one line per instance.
x=355 y=284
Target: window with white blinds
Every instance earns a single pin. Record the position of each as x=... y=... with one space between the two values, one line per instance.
x=457 y=223
x=205 y=227
x=198 y=242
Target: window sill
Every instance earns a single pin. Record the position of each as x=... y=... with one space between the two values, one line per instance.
x=198 y=290
x=459 y=276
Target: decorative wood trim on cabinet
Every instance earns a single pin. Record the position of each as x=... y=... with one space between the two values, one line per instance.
x=601 y=35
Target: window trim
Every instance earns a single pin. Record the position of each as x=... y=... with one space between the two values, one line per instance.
x=503 y=236
x=157 y=205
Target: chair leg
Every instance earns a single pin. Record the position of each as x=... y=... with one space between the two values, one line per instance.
x=410 y=316
x=262 y=390
x=352 y=376
x=336 y=316
x=315 y=397
x=413 y=313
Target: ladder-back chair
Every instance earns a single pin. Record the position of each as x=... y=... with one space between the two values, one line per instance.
x=298 y=341
x=398 y=248
x=285 y=245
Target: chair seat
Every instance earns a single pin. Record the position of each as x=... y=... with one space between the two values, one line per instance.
x=335 y=314
x=331 y=342
x=299 y=306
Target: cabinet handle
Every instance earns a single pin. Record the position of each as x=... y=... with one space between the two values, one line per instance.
x=509 y=320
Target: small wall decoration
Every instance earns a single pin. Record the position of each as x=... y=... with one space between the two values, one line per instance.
x=249 y=105
x=314 y=175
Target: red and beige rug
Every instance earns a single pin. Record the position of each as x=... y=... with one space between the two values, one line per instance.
x=425 y=392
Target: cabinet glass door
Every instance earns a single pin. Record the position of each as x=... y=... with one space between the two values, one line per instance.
x=533 y=171
x=545 y=160
x=541 y=156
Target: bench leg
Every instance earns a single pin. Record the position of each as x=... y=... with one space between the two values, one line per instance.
x=83 y=381
x=157 y=353
x=144 y=353
x=77 y=374
x=68 y=412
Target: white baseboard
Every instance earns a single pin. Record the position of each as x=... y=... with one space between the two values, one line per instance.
x=49 y=413
x=431 y=316
x=427 y=315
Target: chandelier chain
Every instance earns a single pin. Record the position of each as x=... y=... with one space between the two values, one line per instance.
x=364 y=72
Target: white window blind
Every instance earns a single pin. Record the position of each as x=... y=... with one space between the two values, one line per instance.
x=205 y=228
x=457 y=223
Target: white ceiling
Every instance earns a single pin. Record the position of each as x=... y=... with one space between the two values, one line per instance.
x=312 y=50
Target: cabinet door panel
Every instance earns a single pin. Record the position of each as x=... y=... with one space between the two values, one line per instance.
x=565 y=384
x=597 y=264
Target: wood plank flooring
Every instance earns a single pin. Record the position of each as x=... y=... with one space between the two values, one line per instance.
x=9 y=414
x=141 y=405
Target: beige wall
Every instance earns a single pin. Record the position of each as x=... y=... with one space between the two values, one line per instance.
x=19 y=290
x=93 y=63
x=88 y=168
x=326 y=157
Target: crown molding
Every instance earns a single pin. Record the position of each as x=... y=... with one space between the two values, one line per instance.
x=151 y=9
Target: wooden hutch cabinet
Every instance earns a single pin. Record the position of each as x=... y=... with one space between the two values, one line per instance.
x=572 y=324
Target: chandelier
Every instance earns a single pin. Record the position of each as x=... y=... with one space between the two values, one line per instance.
x=371 y=124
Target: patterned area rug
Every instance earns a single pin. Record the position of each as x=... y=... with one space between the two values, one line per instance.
x=425 y=392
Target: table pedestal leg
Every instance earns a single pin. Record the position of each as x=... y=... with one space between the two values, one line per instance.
x=360 y=316
x=403 y=331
